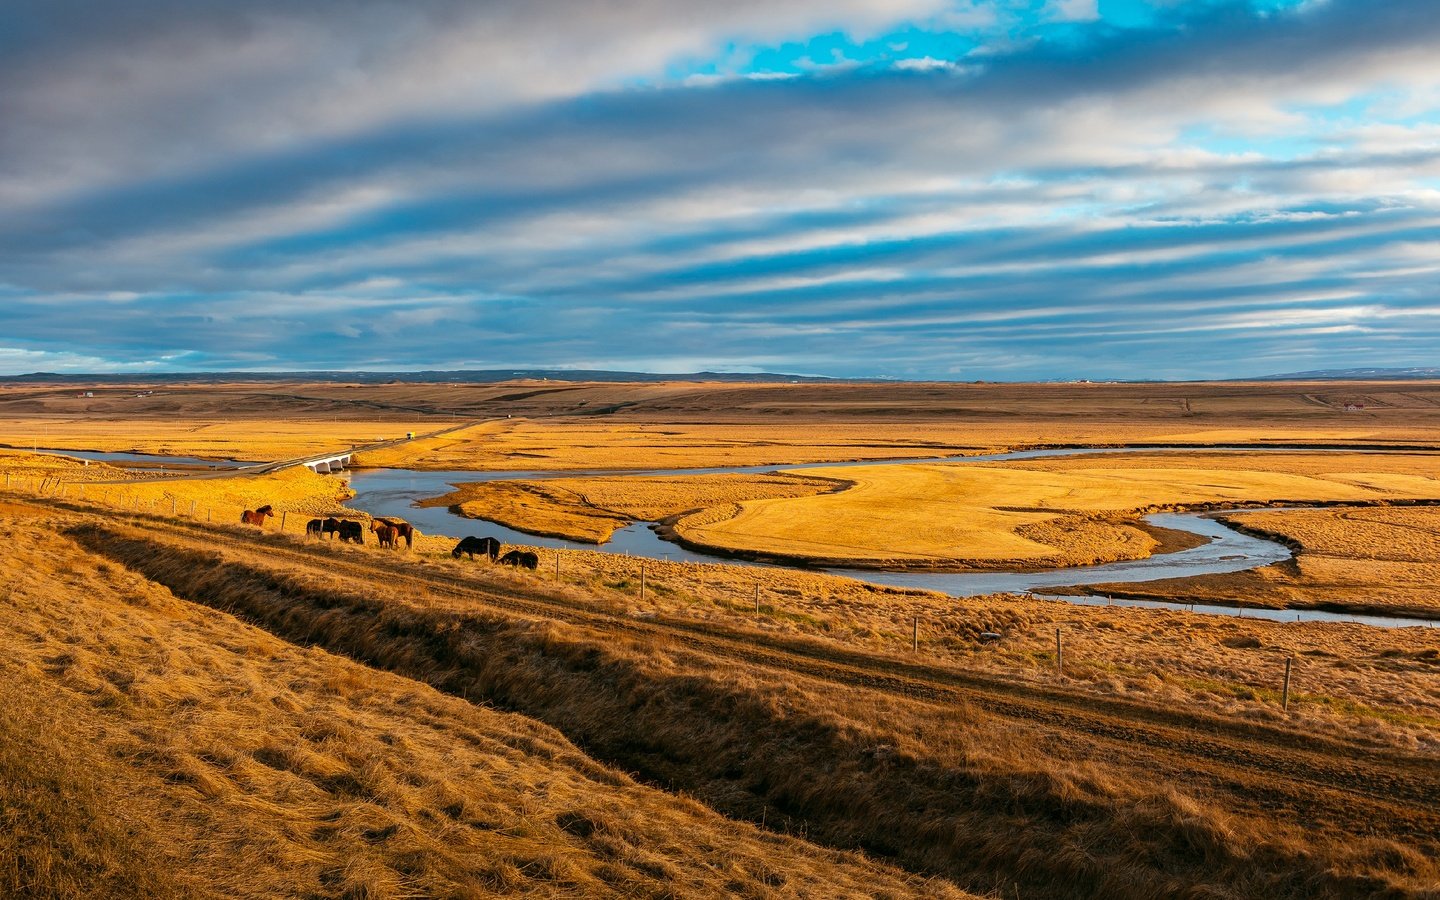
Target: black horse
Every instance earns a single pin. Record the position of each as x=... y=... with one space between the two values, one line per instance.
x=352 y=531
x=330 y=526
x=313 y=527
x=521 y=559
x=473 y=545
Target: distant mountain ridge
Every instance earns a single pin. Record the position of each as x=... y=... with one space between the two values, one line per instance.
x=464 y=376
x=1413 y=373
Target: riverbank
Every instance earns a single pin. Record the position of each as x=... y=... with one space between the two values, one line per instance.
x=1375 y=560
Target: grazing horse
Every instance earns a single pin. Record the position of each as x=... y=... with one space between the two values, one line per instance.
x=313 y=527
x=402 y=529
x=473 y=545
x=521 y=559
x=386 y=534
x=351 y=531
x=256 y=516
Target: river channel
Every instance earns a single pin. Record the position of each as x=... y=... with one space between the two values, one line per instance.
x=394 y=492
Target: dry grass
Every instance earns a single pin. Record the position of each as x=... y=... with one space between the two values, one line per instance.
x=1041 y=513
x=591 y=509
x=195 y=744
x=255 y=439
x=1384 y=560
x=519 y=445
x=942 y=788
x=21 y=468
x=1385 y=693
x=296 y=492
x=1352 y=680
x=628 y=426
x=72 y=820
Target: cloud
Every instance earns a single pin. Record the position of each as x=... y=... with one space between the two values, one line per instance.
x=1072 y=10
x=438 y=184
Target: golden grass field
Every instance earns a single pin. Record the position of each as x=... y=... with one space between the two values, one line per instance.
x=200 y=708
x=254 y=440
x=1352 y=679
x=521 y=444
x=1384 y=560
x=269 y=767
x=296 y=491
x=1357 y=681
x=155 y=748
x=591 y=509
x=1045 y=513
x=581 y=426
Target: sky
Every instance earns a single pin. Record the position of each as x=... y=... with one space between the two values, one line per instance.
x=919 y=189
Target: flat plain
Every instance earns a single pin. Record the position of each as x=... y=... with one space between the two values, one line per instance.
x=203 y=708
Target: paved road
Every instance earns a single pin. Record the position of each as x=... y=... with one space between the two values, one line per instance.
x=277 y=465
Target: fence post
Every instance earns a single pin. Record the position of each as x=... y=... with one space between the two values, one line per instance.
x=642 y=582
x=757 y=599
x=1285 y=691
x=192 y=509
x=915 y=635
x=282 y=520
x=557 y=563
x=172 y=506
x=209 y=514
x=1059 y=653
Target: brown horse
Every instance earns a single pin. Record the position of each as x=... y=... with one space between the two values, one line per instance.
x=386 y=534
x=402 y=529
x=256 y=517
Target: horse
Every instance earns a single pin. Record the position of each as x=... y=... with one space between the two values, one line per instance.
x=386 y=533
x=256 y=516
x=313 y=527
x=402 y=529
x=351 y=531
x=520 y=559
x=473 y=545
x=330 y=526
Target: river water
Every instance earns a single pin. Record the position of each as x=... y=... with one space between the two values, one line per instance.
x=393 y=492
x=151 y=461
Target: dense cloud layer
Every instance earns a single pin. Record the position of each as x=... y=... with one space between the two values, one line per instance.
x=206 y=185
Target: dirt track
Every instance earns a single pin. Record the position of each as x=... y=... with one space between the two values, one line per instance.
x=1342 y=789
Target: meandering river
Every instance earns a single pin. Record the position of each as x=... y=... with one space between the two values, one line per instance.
x=394 y=492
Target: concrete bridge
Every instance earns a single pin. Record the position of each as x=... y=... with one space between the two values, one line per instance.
x=333 y=462
x=339 y=460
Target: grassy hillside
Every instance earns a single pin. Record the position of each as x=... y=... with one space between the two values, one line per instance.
x=946 y=775
x=162 y=748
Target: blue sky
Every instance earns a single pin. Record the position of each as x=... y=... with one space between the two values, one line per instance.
x=950 y=189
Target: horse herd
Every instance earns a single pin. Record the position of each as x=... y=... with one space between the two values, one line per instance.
x=389 y=532
x=489 y=546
